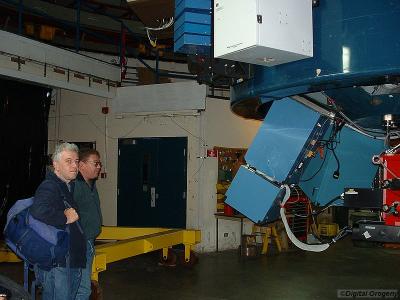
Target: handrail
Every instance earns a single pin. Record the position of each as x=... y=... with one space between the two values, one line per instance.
x=21 y=8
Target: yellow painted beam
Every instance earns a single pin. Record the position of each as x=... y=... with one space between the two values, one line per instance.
x=123 y=233
x=7 y=255
x=128 y=242
x=99 y=265
x=131 y=247
x=187 y=253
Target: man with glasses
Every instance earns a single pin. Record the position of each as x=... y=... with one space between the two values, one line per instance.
x=54 y=205
x=87 y=198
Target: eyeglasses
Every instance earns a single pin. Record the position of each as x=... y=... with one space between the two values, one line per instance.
x=71 y=162
x=97 y=164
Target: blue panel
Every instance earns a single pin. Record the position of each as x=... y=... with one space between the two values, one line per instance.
x=356 y=169
x=190 y=17
x=283 y=138
x=355 y=43
x=192 y=6
x=191 y=28
x=192 y=44
x=254 y=197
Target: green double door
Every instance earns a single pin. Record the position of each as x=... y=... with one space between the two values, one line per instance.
x=152 y=182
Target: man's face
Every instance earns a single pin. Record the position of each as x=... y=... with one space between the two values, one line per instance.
x=90 y=168
x=67 y=167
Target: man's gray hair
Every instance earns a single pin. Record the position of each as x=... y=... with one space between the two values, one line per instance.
x=64 y=147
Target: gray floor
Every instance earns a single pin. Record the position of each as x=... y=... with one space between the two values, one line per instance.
x=291 y=275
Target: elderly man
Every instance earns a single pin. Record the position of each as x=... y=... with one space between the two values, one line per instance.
x=88 y=201
x=54 y=205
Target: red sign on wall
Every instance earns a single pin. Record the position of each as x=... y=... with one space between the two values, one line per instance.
x=212 y=153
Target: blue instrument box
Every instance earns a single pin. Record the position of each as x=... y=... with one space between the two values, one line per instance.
x=192 y=29
x=254 y=197
x=193 y=44
x=196 y=18
x=284 y=140
x=199 y=6
x=284 y=144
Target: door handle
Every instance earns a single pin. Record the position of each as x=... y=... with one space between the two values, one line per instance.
x=152 y=196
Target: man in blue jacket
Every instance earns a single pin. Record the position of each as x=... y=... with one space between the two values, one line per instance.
x=87 y=199
x=54 y=205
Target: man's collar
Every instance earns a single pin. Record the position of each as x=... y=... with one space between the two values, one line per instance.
x=81 y=178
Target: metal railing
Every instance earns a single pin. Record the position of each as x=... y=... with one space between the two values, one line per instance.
x=123 y=49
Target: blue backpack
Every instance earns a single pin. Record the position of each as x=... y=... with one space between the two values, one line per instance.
x=32 y=240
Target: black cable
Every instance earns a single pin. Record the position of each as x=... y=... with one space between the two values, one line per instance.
x=327 y=205
x=330 y=144
x=316 y=213
x=341 y=234
x=315 y=174
x=313 y=217
x=336 y=174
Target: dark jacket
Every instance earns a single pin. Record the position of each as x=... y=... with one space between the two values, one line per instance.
x=48 y=207
x=87 y=199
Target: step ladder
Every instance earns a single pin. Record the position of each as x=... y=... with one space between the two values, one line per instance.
x=267 y=233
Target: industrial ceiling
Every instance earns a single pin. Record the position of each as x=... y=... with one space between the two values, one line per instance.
x=55 y=22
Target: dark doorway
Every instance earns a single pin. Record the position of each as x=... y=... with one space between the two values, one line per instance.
x=24 y=113
x=152 y=182
x=85 y=145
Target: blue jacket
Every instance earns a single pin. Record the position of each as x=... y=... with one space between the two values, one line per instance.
x=48 y=207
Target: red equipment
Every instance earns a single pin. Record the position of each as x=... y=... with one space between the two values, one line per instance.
x=391 y=195
x=295 y=207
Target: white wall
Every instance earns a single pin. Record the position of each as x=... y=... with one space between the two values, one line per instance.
x=78 y=117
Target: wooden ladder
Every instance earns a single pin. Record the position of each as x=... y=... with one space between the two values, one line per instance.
x=267 y=233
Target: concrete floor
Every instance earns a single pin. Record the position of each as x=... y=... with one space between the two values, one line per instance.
x=291 y=275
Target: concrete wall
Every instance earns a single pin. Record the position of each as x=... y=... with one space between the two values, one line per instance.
x=78 y=118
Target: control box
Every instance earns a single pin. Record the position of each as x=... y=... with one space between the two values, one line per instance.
x=263 y=32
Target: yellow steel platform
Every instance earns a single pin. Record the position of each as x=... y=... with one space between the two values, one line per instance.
x=6 y=255
x=123 y=242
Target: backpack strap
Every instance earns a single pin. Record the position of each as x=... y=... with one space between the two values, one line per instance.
x=67 y=205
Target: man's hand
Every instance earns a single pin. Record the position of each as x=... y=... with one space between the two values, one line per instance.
x=71 y=215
